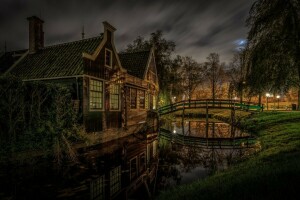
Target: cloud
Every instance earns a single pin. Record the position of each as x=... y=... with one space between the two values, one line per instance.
x=197 y=27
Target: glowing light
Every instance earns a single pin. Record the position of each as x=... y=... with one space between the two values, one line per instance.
x=278 y=96
x=240 y=44
x=174 y=131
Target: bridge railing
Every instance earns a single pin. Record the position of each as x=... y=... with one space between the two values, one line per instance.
x=203 y=103
x=234 y=142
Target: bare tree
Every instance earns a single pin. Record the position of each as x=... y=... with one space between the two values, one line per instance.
x=215 y=73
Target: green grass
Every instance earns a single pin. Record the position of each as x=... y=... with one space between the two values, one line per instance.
x=271 y=173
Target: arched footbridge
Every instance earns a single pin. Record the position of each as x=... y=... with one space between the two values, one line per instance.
x=209 y=104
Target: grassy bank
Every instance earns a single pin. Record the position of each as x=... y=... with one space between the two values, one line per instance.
x=272 y=173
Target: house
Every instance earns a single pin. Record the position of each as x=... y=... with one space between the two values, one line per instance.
x=141 y=83
x=109 y=90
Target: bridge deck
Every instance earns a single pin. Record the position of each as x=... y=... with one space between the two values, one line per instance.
x=209 y=104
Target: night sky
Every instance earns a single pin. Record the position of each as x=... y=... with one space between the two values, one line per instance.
x=197 y=27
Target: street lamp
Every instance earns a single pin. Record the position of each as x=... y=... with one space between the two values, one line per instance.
x=174 y=99
x=268 y=95
x=278 y=97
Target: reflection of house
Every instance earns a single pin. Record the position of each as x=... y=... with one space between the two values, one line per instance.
x=121 y=178
x=106 y=89
x=112 y=170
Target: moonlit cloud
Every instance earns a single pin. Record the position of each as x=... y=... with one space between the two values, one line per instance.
x=197 y=27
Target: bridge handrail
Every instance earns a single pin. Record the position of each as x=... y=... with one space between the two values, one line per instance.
x=216 y=103
x=208 y=141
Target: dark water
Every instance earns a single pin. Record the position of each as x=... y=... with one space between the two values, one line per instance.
x=113 y=170
x=135 y=167
x=192 y=150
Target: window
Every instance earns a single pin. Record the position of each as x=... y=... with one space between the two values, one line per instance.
x=97 y=188
x=142 y=99
x=96 y=94
x=142 y=162
x=114 y=97
x=133 y=168
x=108 y=58
x=154 y=102
x=154 y=148
x=133 y=98
x=115 y=180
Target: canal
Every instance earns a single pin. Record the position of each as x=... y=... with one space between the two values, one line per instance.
x=136 y=167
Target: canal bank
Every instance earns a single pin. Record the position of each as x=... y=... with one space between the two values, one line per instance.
x=272 y=173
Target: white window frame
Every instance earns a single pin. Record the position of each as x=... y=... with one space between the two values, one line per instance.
x=102 y=93
x=110 y=62
x=119 y=98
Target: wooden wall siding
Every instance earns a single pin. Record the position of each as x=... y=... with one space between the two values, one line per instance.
x=97 y=68
x=92 y=119
x=99 y=120
x=113 y=120
x=134 y=116
x=135 y=81
x=127 y=103
x=85 y=96
x=93 y=122
x=147 y=101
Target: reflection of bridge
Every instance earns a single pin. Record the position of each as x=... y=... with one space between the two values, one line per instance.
x=217 y=142
x=209 y=104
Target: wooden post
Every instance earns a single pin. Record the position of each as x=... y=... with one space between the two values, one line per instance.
x=213 y=129
x=206 y=130
x=183 y=111
x=232 y=120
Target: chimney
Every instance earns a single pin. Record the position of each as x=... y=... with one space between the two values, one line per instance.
x=36 y=34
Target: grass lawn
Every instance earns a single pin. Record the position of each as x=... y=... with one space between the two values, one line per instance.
x=272 y=173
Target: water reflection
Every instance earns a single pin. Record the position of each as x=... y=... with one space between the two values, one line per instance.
x=129 y=168
x=191 y=150
x=120 y=169
x=200 y=128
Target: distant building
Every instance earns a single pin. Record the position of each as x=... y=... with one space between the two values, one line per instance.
x=110 y=90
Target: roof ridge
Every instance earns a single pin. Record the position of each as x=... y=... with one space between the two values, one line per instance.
x=141 y=51
x=73 y=42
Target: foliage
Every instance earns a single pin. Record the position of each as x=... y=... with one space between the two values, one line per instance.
x=236 y=75
x=272 y=173
x=273 y=51
x=174 y=86
x=187 y=75
x=37 y=116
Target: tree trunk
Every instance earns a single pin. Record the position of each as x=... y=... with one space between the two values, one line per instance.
x=298 y=107
x=259 y=99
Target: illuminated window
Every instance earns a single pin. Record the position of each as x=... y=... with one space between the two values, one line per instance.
x=108 y=58
x=96 y=95
x=142 y=99
x=114 y=97
x=154 y=103
x=133 y=98
x=115 y=180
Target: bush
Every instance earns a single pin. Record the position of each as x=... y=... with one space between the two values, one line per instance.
x=37 y=116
